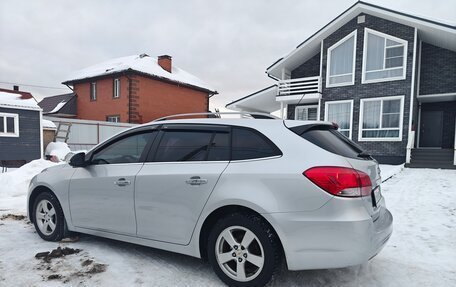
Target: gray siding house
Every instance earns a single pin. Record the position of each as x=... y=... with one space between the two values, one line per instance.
x=20 y=128
x=385 y=77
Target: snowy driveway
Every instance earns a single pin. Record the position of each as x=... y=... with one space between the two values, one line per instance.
x=421 y=252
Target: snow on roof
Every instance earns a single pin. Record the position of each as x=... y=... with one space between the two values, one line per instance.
x=141 y=63
x=57 y=107
x=47 y=124
x=15 y=100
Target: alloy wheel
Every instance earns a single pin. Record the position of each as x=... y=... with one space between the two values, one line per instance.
x=46 y=217
x=239 y=253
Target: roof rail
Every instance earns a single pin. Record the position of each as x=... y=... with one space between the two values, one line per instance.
x=254 y=115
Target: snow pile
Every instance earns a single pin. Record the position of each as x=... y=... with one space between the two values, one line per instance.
x=388 y=171
x=141 y=63
x=14 y=184
x=47 y=124
x=57 y=149
x=15 y=100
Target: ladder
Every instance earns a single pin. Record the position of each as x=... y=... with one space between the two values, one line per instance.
x=63 y=131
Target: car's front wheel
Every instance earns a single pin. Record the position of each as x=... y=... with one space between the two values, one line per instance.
x=243 y=250
x=48 y=215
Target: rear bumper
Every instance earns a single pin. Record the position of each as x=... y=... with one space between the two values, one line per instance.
x=334 y=236
x=383 y=228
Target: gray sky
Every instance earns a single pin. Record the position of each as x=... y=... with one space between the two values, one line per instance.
x=228 y=44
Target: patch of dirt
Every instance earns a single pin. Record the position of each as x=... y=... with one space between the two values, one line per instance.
x=92 y=268
x=57 y=266
x=13 y=217
x=97 y=268
x=54 y=277
x=86 y=262
x=56 y=253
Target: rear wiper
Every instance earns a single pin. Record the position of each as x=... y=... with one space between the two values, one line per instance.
x=364 y=154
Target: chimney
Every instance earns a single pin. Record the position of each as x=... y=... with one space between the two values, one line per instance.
x=16 y=88
x=165 y=62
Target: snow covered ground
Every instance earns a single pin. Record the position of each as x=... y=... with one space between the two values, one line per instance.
x=387 y=171
x=421 y=252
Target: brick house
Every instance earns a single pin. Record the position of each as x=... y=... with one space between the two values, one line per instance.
x=385 y=77
x=137 y=89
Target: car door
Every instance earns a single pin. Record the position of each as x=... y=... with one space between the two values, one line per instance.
x=178 y=178
x=101 y=195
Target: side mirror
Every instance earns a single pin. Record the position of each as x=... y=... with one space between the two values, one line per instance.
x=78 y=160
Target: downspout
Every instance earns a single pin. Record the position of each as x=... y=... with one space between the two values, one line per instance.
x=72 y=89
x=69 y=87
x=210 y=95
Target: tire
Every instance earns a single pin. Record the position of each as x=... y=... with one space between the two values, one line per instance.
x=259 y=255
x=48 y=217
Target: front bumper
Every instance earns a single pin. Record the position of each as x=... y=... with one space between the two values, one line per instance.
x=340 y=234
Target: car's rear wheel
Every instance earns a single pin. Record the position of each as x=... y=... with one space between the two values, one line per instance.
x=243 y=250
x=48 y=215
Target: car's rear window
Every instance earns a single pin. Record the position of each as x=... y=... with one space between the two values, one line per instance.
x=328 y=138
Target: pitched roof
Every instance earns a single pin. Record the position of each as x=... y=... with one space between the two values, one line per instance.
x=434 y=32
x=54 y=104
x=143 y=64
x=17 y=100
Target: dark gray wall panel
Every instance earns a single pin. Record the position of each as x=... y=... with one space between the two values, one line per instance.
x=27 y=145
x=438 y=70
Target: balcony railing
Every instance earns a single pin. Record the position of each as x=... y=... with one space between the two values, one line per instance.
x=300 y=86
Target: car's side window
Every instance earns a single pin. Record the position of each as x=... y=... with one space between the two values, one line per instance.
x=183 y=145
x=250 y=144
x=125 y=150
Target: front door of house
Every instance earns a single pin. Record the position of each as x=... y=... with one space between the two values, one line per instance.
x=431 y=129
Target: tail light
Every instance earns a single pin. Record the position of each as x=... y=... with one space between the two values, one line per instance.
x=340 y=181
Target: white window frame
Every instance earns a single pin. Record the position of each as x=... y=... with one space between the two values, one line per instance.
x=307 y=107
x=350 y=132
x=16 y=125
x=401 y=120
x=116 y=93
x=117 y=117
x=93 y=86
x=328 y=61
x=388 y=37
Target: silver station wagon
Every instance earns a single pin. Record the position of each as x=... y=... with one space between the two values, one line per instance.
x=244 y=194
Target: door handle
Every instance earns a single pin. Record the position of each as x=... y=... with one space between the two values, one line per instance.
x=196 y=180
x=122 y=182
